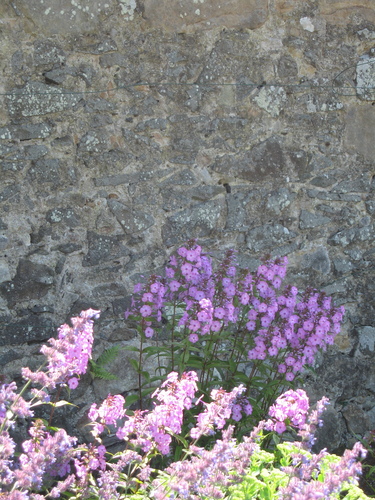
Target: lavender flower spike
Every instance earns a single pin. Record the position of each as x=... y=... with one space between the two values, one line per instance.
x=68 y=355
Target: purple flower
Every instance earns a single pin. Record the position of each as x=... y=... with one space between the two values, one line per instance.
x=291 y=408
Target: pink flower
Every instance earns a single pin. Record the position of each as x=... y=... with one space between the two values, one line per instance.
x=219 y=312
x=215 y=326
x=145 y=311
x=73 y=383
x=244 y=299
x=149 y=332
x=147 y=297
x=174 y=286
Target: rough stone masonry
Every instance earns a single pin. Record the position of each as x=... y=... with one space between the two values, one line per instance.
x=129 y=126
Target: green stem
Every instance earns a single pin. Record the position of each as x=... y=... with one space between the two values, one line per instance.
x=139 y=372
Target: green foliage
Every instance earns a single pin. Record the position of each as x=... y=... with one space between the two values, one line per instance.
x=266 y=476
x=97 y=368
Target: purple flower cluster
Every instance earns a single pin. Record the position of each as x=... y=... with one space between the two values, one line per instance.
x=306 y=468
x=109 y=412
x=291 y=408
x=13 y=402
x=207 y=472
x=224 y=405
x=279 y=325
x=68 y=355
x=52 y=463
x=43 y=456
x=152 y=429
x=298 y=329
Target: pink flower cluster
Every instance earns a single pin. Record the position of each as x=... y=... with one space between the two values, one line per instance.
x=109 y=412
x=224 y=405
x=291 y=408
x=296 y=328
x=10 y=400
x=149 y=429
x=44 y=456
x=282 y=324
x=206 y=472
x=68 y=355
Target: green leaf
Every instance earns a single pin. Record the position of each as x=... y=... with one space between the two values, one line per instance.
x=130 y=348
x=135 y=364
x=100 y=372
x=132 y=398
x=108 y=356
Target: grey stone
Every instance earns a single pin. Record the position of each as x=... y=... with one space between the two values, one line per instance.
x=343 y=266
x=67 y=248
x=323 y=195
x=56 y=76
x=153 y=124
x=3 y=242
x=9 y=192
x=9 y=356
x=32 y=281
x=370 y=206
x=354 y=234
x=105 y=45
x=318 y=260
x=331 y=434
x=351 y=197
x=359 y=126
x=66 y=216
x=287 y=66
x=339 y=286
x=35 y=151
x=183 y=178
x=308 y=220
x=263 y=162
x=10 y=167
x=93 y=141
x=45 y=170
x=18 y=159
x=36 y=99
x=132 y=221
x=246 y=14
x=279 y=200
x=205 y=193
x=197 y=221
x=272 y=99
x=46 y=52
x=64 y=17
x=361 y=184
x=4 y=271
x=113 y=180
x=356 y=419
x=97 y=104
x=366 y=78
x=33 y=328
x=236 y=210
x=301 y=161
x=3 y=225
x=175 y=199
x=323 y=181
x=26 y=131
x=103 y=249
x=366 y=338
x=17 y=61
x=268 y=236
x=86 y=72
x=109 y=290
x=63 y=142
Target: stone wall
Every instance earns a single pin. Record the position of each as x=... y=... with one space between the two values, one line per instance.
x=129 y=126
